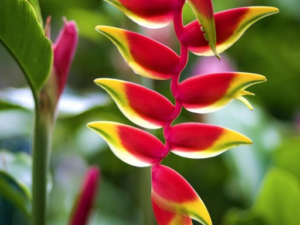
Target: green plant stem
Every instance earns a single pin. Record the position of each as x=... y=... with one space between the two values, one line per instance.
x=144 y=177
x=40 y=159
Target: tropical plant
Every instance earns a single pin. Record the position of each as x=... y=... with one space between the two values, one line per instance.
x=174 y=201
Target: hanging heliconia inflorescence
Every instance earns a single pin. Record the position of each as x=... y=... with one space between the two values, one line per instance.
x=174 y=200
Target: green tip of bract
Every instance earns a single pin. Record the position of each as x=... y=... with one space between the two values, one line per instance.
x=91 y=125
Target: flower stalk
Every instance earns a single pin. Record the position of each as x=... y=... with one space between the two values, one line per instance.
x=43 y=127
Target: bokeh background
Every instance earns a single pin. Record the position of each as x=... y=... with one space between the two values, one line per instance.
x=252 y=185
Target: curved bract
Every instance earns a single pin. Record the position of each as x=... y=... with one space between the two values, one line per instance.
x=133 y=146
x=205 y=15
x=142 y=106
x=172 y=193
x=230 y=26
x=145 y=56
x=164 y=217
x=196 y=140
x=211 y=92
x=151 y=14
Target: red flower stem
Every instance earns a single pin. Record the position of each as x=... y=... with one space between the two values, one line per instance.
x=184 y=56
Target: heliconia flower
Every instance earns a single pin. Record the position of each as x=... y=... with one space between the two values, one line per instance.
x=63 y=53
x=210 y=92
x=151 y=14
x=230 y=25
x=86 y=198
x=197 y=140
x=64 y=49
x=205 y=15
x=164 y=217
x=142 y=106
x=145 y=56
x=133 y=146
x=172 y=193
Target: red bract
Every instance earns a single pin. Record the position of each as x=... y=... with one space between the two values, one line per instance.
x=64 y=49
x=151 y=14
x=211 y=92
x=134 y=146
x=195 y=140
x=142 y=106
x=159 y=62
x=230 y=25
x=174 y=200
x=164 y=217
x=172 y=193
x=86 y=199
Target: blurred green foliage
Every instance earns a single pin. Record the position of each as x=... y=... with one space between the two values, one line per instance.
x=238 y=188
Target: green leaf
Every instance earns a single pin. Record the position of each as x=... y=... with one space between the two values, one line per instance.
x=24 y=37
x=279 y=197
x=35 y=4
x=288 y=155
x=18 y=166
x=242 y=217
x=13 y=197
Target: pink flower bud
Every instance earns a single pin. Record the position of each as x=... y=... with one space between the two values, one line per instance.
x=86 y=197
x=64 y=49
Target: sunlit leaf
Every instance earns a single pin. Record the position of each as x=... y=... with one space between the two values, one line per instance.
x=145 y=56
x=287 y=156
x=230 y=26
x=142 y=106
x=24 y=37
x=133 y=146
x=242 y=217
x=278 y=199
x=211 y=92
x=171 y=192
x=196 y=140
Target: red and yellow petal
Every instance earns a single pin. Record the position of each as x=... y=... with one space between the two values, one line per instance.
x=133 y=146
x=230 y=25
x=167 y=218
x=196 y=140
x=205 y=15
x=151 y=14
x=211 y=92
x=172 y=193
x=145 y=56
x=142 y=106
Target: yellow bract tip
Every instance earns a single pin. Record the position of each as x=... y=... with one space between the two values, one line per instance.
x=245 y=101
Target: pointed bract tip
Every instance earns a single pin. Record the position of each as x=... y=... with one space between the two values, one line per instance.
x=104 y=29
x=98 y=81
x=245 y=140
x=266 y=9
x=262 y=11
x=90 y=125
